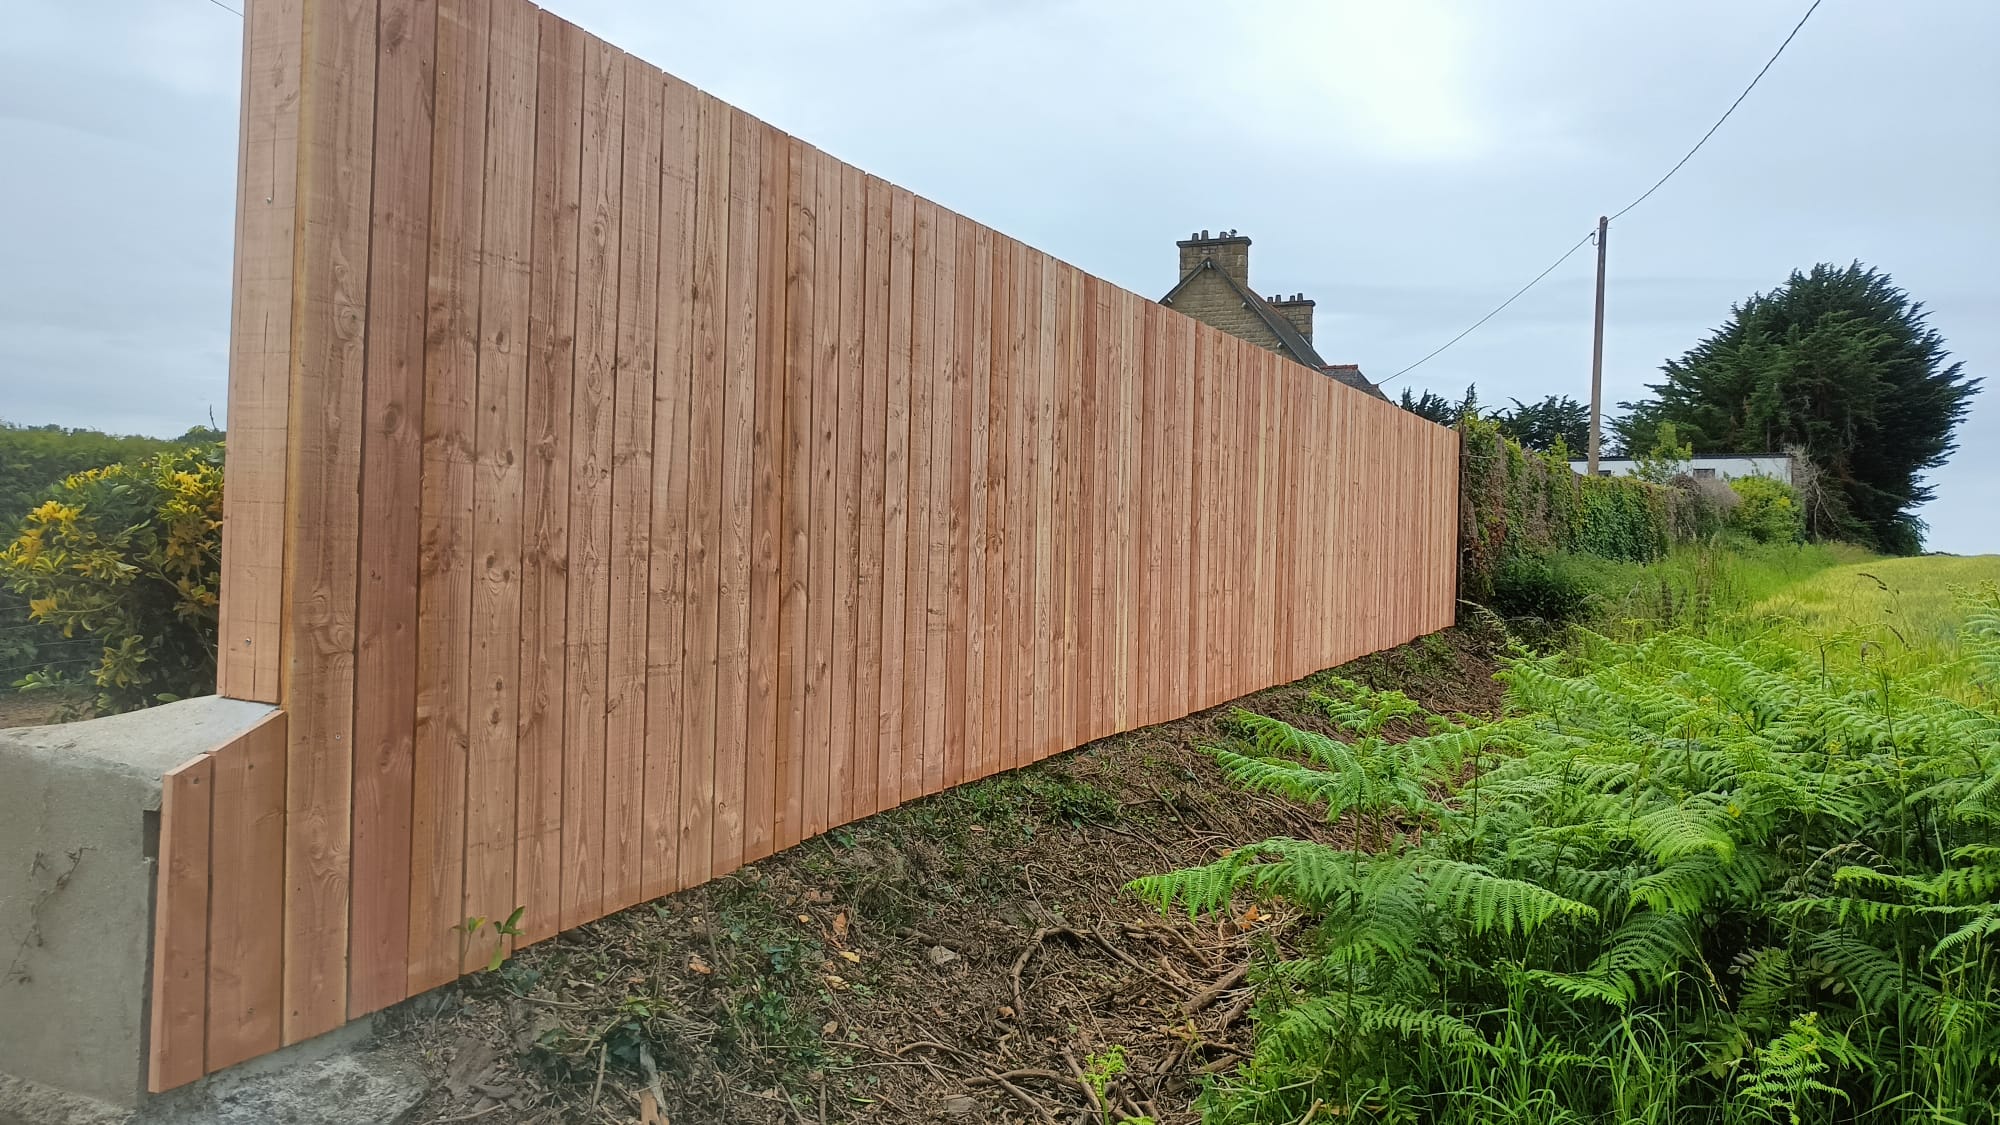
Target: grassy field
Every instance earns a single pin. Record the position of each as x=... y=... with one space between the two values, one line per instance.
x=1912 y=605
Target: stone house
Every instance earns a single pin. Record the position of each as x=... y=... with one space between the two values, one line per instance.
x=1215 y=289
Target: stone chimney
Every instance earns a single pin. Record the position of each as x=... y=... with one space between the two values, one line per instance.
x=1297 y=309
x=1228 y=250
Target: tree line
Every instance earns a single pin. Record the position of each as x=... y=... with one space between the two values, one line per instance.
x=1838 y=364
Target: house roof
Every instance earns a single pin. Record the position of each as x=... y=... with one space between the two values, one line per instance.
x=1289 y=337
x=1350 y=373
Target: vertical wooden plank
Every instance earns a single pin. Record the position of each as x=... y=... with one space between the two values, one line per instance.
x=706 y=441
x=995 y=652
x=1152 y=515
x=1062 y=409
x=444 y=595
x=391 y=478
x=250 y=627
x=1200 y=532
x=916 y=586
x=1179 y=505
x=1017 y=705
x=666 y=604
x=1221 y=545
x=323 y=454
x=634 y=395
x=1075 y=545
x=827 y=768
x=895 y=499
x=799 y=673
x=739 y=400
x=180 y=927
x=978 y=575
x=558 y=170
x=1093 y=540
x=1102 y=569
x=247 y=882
x=593 y=450
x=1041 y=461
x=959 y=575
x=937 y=492
x=1124 y=448
x=767 y=501
x=870 y=552
x=829 y=669
x=1024 y=351
x=863 y=287
x=499 y=439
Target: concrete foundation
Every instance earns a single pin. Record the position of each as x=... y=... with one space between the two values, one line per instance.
x=79 y=836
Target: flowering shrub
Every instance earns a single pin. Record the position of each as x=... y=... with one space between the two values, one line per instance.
x=128 y=555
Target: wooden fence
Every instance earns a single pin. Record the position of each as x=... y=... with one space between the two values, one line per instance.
x=621 y=490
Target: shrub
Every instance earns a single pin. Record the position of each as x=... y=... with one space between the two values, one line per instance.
x=1515 y=502
x=1769 y=511
x=128 y=556
x=1680 y=881
x=1548 y=587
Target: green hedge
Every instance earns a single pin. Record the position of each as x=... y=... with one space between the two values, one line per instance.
x=1515 y=502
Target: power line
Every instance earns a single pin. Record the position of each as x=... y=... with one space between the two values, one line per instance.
x=227 y=8
x=1587 y=236
x=1768 y=63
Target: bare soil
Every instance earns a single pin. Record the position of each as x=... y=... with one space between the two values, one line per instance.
x=971 y=956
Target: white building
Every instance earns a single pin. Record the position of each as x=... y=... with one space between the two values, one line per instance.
x=1777 y=466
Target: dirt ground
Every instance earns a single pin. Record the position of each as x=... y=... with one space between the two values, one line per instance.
x=968 y=957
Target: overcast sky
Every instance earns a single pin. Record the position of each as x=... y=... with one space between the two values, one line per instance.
x=1407 y=164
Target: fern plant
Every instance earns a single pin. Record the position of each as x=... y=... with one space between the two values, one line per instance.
x=1680 y=880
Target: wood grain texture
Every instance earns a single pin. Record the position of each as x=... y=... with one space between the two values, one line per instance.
x=246 y=891
x=895 y=505
x=767 y=500
x=322 y=474
x=542 y=715
x=593 y=453
x=694 y=856
x=937 y=489
x=386 y=610
x=445 y=571
x=666 y=613
x=917 y=507
x=739 y=403
x=498 y=496
x=632 y=482
x=870 y=529
x=250 y=628
x=179 y=1032
x=796 y=664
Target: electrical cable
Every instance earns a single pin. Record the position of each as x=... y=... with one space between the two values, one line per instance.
x=1678 y=165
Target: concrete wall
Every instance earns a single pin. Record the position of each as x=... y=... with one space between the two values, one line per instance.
x=78 y=838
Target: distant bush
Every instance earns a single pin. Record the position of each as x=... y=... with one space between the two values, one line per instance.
x=128 y=555
x=1548 y=587
x=1770 y=511
x=1515 y=503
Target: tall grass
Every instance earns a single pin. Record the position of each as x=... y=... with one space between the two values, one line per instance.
x=1685 y=879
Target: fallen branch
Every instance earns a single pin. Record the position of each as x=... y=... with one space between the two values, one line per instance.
x=1208 y=995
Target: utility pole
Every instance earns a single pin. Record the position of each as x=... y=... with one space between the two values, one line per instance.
x=1597 y=351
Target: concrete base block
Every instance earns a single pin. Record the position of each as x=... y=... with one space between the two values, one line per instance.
x=342 y=1078
x=79 y=837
